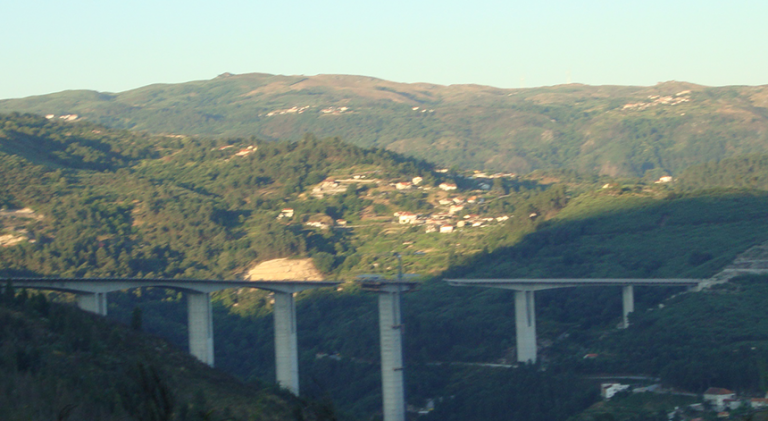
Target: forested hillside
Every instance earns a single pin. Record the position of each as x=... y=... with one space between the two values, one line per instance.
x=84 y=200
x=60 y=363
x=613 y=130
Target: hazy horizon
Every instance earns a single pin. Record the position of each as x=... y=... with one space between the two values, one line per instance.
x=117 y=47
x=374 y=77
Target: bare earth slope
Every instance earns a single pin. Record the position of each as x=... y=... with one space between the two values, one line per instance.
x=284 y=270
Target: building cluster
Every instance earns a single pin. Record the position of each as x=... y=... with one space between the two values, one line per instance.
x=480 y=174
x=285 y=213
x=319 y=224
x=246 y=151
x=335 y=110
x=715 y=399
x=66 y=117
x=655 y=100
x=446 y=222
x=302 y=109
x=292 y=110
x=609 y=390
x=450 y=215
x=329 y=187
x=241 y=152
x=724 y=400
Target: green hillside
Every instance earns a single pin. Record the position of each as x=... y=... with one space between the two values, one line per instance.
x=83 y=200
x=613 y=130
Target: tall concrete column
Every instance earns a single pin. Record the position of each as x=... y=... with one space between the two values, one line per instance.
x=525 y=325
x=200 y=326
x=286 y=345
x=391 y=332
x=628 y=303
x=95 y=302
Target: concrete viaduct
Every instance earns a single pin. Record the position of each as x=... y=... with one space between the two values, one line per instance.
x=92 y=296
x=525 y=309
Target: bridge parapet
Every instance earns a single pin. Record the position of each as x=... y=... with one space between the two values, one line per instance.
x=523 y=284
x=104 y=285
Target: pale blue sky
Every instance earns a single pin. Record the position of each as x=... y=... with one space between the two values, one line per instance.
x=49 y=46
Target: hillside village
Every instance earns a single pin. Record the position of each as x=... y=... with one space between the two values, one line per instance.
x=716 y=402
x=656 y=100
x=450 y=208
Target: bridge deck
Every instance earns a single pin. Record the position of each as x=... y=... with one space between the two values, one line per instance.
x=76 y=285
x=565 y=283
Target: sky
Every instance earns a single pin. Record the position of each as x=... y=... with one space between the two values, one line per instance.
x=112 y=46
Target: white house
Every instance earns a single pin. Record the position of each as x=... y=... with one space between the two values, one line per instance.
x=285 y=213
x=446 y=229
x=447 y=186
x=609 y=390
x=417 y=180
x=717 y=396
x=318 y=224
x=403 y=185
x=407 y=218
x=455 y=209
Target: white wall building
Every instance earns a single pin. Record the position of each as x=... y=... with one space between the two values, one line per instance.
x=609 y=390
x=407 y=218
x=717 y=396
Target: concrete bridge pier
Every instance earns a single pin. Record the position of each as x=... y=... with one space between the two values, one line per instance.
x=391 y=345
x=628 y=303
x=391 y=335
x=200 y=326
x=95 y=302
x=525 y=326
x=286 y=344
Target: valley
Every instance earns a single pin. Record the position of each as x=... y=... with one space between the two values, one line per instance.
x=106 y=202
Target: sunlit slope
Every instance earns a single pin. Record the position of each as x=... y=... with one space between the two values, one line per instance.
x=613 y=130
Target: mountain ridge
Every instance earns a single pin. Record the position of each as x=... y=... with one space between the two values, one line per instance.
x=614 y=130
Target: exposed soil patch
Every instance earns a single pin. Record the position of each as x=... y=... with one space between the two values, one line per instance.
x=284 y=270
